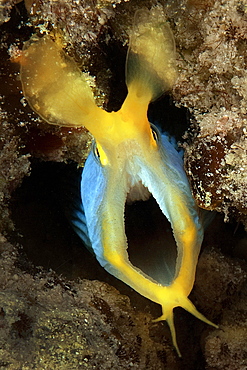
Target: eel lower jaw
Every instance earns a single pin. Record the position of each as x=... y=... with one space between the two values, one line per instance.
x=171 y=296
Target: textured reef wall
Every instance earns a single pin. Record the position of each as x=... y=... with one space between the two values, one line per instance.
x=212 y=84
x=50 y=322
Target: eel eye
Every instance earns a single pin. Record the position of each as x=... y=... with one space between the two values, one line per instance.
x=96 y=152
x=99 y=154
x=155 y=133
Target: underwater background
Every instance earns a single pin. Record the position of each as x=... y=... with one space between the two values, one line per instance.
x=58 y=308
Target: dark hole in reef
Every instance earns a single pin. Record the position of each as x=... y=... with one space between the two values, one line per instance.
x=164 y=113
x=46 y=237
x=151 y=245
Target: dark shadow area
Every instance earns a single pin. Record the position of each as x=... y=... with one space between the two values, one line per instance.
x=46 y=237
x=151 y=245
x=167 y=117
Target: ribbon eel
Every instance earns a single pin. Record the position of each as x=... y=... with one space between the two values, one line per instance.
x=130 y=161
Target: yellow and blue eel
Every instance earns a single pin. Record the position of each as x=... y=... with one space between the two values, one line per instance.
x=130 y=161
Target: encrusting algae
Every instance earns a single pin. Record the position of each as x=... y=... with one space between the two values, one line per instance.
x=212 y=84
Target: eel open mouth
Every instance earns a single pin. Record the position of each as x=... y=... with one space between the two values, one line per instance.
x=151 y=244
